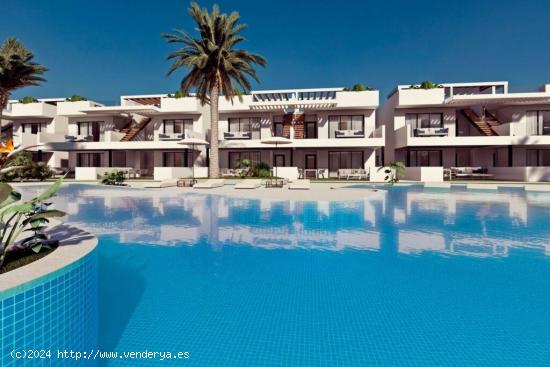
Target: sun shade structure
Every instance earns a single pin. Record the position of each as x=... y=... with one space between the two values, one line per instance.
x=276 y=140
x=193 y=142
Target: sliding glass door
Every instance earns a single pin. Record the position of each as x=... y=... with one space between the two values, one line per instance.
x=343 y=160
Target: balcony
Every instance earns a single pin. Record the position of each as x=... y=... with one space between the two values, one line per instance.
x=430 y=131
x=33 y=110
x=184 y=104
x=75 y=108
x=323 y=98
x=349 y=134
x=421 y=97
x=237 y=135
x=172 y=136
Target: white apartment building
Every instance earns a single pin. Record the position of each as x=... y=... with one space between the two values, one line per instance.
x=328 y=129
x=140 y=135
x=481 y=125
x=455 y=125
x=38 y=123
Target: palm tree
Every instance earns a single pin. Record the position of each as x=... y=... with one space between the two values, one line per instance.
x=17 y=70
x=216 y=66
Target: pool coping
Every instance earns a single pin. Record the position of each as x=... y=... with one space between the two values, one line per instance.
x=74 y=245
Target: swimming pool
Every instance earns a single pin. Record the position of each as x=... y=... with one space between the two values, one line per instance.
x=401 y=277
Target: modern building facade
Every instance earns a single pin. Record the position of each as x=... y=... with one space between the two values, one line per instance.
x=481 y=125
x=328 y=129
x=433 y=131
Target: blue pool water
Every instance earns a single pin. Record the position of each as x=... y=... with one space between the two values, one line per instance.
x=400 y=277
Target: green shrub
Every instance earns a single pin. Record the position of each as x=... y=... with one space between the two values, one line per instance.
x=114 y=177
x=426 y=84
x=76 y=98
x=360 y=87
x=30 y=171
x=28 y=99
x=261 y=169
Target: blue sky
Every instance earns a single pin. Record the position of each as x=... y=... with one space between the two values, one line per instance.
x=103 y=49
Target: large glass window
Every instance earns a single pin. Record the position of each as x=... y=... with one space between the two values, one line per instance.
x=424 y=120
x=424 y=158
x=177 y=127
x=343 y=160
x=89 y=128
x=88 y=160
x=32 y=127
x=252 y=156
x=538 y=122
x=346 y=123
x=247 y=124
x=177 y=159
x=538 y=158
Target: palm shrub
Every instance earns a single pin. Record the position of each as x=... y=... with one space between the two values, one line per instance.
x=17 y=70
x=393 y=171
x=216 y=65
x=245 y=165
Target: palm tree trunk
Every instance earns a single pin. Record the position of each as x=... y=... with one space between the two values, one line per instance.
x=214 y=115
x=3 y=104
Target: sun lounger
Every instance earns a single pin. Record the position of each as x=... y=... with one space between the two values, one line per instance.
x=299 y=185
x=163 y=184
x=209 y=184
x=249 y=184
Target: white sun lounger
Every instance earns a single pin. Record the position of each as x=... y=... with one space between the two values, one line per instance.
x=210 y=184
x=299 y=185
x=249 y=184
x=163 y=184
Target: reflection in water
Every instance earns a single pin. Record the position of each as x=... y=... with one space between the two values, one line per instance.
x=464 y=223
x=398 y=278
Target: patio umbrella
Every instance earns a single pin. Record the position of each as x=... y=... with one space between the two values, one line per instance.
x=193 y=141
x=276 y=140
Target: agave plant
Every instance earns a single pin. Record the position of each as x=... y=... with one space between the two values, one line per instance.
x=30 y=216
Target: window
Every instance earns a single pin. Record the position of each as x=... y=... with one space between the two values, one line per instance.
x=538 y=158
x=538 y=122
x=343 y=160
x=346 y=122
x=424 y=120
x=89 y=128
x=88 y=160
x=279 y=160
x=32 y=127
x=252 y=156
x=176 y=159
x=251 y=125
x=278 y=126
x=424 y=158
x=177 y=127
x=310 y=127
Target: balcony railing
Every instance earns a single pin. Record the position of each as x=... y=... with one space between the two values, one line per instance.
x=237 y=135
x=172 y=136
x=430 y=131
x=349 y=134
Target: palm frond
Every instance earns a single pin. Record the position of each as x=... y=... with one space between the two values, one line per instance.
x=211 y=57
